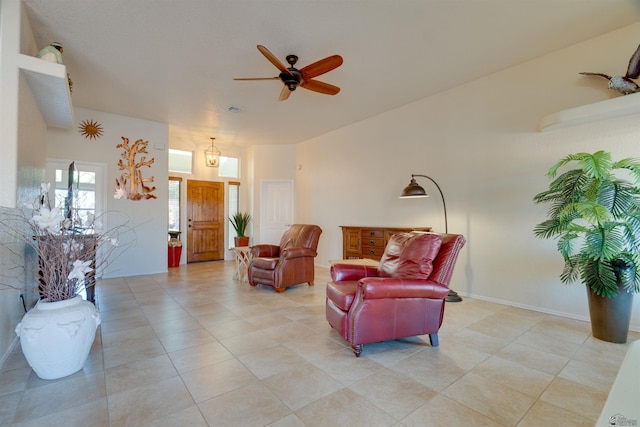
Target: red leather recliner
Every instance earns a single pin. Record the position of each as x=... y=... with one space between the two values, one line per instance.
x=290 y=263
x=402 y=297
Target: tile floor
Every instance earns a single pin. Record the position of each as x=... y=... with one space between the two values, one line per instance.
x=196 y=348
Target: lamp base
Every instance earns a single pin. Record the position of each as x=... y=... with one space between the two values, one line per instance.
x=453 y=296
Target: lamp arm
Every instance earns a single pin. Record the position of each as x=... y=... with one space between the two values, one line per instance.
x=444 y=204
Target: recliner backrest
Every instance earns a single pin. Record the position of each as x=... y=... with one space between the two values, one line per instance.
x=301 y=236
x=445 y=261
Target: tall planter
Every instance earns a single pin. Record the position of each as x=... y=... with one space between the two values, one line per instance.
x=610 y=317
x=56 y=337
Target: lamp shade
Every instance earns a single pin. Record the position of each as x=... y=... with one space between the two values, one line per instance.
x=413 y=190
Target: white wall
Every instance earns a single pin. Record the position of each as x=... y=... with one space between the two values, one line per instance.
x=270 y=162
x=148 y=254
x=480 y=142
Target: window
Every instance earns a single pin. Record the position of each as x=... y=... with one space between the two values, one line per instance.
x=88 y=196
x=228 y=167
x=174 y=203
x=180 y=161
x=234 y=206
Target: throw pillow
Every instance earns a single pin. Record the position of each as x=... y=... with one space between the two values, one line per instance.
x=410 y=255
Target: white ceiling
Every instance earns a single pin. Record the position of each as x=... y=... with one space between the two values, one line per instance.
x=174 y=61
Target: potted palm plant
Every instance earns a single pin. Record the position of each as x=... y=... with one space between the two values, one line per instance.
x=240 y=221
x=595 y=216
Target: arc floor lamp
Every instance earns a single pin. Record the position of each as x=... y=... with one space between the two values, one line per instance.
x=414 y=191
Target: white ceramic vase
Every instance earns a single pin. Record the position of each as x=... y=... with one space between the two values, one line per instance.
x=56 y=337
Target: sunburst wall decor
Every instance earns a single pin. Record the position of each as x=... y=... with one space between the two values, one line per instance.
x=90 y=129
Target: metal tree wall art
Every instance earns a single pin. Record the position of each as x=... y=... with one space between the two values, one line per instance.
x=131 y=184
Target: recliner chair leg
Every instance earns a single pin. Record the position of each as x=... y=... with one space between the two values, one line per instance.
x=357 y=349
x=433 y=338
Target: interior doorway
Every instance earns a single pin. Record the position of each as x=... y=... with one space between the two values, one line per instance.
x=277 y=214
x=205 y=221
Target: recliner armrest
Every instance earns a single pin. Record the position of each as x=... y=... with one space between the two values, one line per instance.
x=266 y=251
x=291 y=253
x=389 y=287
x=348 y=272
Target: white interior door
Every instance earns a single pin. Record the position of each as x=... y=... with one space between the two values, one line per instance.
x=277 y=210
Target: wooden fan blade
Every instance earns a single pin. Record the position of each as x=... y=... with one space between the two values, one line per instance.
x=284 y=93
x=272 y=58
x=257 y=78
x=320 y=67
x=321 y=87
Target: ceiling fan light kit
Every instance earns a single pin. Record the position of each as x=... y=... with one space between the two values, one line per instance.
x=292 y=77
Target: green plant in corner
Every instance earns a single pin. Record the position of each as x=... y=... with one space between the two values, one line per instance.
x=595 y=216
x=240 y=221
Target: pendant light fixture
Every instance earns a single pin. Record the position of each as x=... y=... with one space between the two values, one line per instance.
x=212 y=156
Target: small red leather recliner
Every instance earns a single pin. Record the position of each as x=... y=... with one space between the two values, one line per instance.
x=402 y=297
x=290 y=263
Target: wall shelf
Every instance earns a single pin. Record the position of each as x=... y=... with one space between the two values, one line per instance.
x=608 y=109
x=50 y=87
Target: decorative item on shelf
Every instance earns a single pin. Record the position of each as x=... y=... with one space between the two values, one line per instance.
x=137 y=189
x=624 y=84
x=70 y=83
x=595 y=217
x=240 y=221
x=414 y=191
x=212 y=156
x=66 y=251
x=90 y=129
x=175 y=248
x=52 y=53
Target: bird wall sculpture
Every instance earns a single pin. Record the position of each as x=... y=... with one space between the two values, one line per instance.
x=624 y=84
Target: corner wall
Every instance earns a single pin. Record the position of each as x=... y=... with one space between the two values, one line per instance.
x=480 y=142
x=148 y=254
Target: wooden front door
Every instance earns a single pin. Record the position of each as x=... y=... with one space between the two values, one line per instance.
x=205 y=221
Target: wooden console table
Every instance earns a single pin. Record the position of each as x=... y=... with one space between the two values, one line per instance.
x=369 y=242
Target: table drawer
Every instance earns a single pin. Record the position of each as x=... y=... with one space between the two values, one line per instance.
x=371 y=251
x=369 y=233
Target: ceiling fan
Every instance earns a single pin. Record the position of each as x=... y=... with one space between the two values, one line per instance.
x=304 y=77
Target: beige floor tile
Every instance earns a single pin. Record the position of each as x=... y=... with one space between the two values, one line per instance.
x=92 y=414
x=397 y=395
x=199 y=356
x=190 y=417
x=514 y=375
x=344 y=408
x=251 y=356
x=533 y=358
x=59 y=395
x=185 y=339
x=219 y=378
x=545 y=414
x=345 y=367
x=248 y=343
x=252 y=405
x=138 y=406
x=290 y=420
x=8 y=406
x=435 y=374
x=496 y=401
x=595 y=375
x=14 y=380
x=576 y=398
x=271 y=361
x=301 y=385
x=139 y=373
x=443 y=412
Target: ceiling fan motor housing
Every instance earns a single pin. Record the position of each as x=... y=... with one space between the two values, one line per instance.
x=291 y=80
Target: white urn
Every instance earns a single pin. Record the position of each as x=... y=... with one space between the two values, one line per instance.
x=56 y=337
